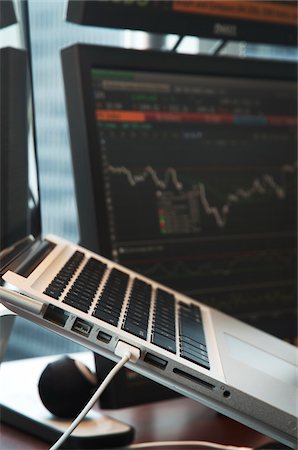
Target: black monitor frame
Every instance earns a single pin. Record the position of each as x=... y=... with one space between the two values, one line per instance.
x=20 y=206
x=7 y=14
x=212 y=20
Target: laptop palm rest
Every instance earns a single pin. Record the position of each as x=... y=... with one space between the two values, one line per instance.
x=263 y=361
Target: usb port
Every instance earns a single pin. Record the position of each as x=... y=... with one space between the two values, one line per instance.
x=155 y=361
x=82 y=327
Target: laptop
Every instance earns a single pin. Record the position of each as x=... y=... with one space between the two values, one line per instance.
x=185 y=345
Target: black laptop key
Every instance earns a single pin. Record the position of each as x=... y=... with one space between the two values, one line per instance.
x=109 y=310
x=112 y=297
x=82 y=306
x=140 y=293
x=168 y=314
x=106 y=317
x=117 y=278
x=191 y=325
x=192 y=337
x=193 y=346
x=196 y=359
x=110 y=302
x=81 y=297
x=58 y=283
x=164 y=342
x=194 y=351
x=84 y=288
x=165 y=332
x=52 y=293
x=137 y=330
x=164 y=321
x=168 y=328
x=64 y=275
x=165 y=303
x=165 y=295
x=163 y=326
x=137 y=311
x=137 y=317
x=77 y=299
x=73 y=263
x=140 y=322
x=78 y=290
x=193 y=330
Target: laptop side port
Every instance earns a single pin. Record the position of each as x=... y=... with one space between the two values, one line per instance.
x=190 y=377
x=56 y=315
x=82 y=327
x=155 y=361
x=104 y=337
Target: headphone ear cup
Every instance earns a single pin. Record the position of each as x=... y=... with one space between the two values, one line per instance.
x=64 y=388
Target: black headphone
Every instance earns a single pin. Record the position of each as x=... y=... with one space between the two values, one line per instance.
x=65 y=386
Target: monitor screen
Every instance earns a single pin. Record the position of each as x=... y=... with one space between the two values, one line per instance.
x=186 y=171
x=271 y=22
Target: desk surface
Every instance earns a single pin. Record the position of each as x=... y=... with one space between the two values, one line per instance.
x=179 y=419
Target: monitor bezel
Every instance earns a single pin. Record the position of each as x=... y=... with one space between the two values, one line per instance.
x=135 y=16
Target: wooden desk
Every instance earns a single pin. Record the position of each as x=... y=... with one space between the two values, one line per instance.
x=179 y=419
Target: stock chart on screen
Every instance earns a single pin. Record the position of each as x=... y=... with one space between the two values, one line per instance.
x=200 y=177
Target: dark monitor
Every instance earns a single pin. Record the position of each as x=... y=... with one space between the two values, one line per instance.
x=19 y=193
x=271 y=22
x=7 y=13
x=13 y=146
x=186 y=171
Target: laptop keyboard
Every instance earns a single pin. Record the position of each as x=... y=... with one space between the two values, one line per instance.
x=138 y=309
x=163 y=326
x=110 y=303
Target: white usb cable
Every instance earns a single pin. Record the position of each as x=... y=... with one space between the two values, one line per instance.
x=127 y=353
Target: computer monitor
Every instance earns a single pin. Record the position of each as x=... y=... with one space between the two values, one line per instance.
x=270 y=22
x=13 y=146
x=186 y=171
x=7 y=14
x=19 y=192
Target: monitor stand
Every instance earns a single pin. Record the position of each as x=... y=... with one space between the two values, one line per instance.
x=22 y=408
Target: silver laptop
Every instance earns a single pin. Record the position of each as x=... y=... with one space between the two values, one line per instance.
x=193 y=349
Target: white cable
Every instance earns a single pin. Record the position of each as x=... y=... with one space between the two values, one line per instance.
x=198 y=444
x=128 y=352
x=126 y=357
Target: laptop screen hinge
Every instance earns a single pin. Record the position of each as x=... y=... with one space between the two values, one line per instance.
x=25 y=255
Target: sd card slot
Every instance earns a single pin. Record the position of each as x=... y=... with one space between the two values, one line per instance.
x=193 y=378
